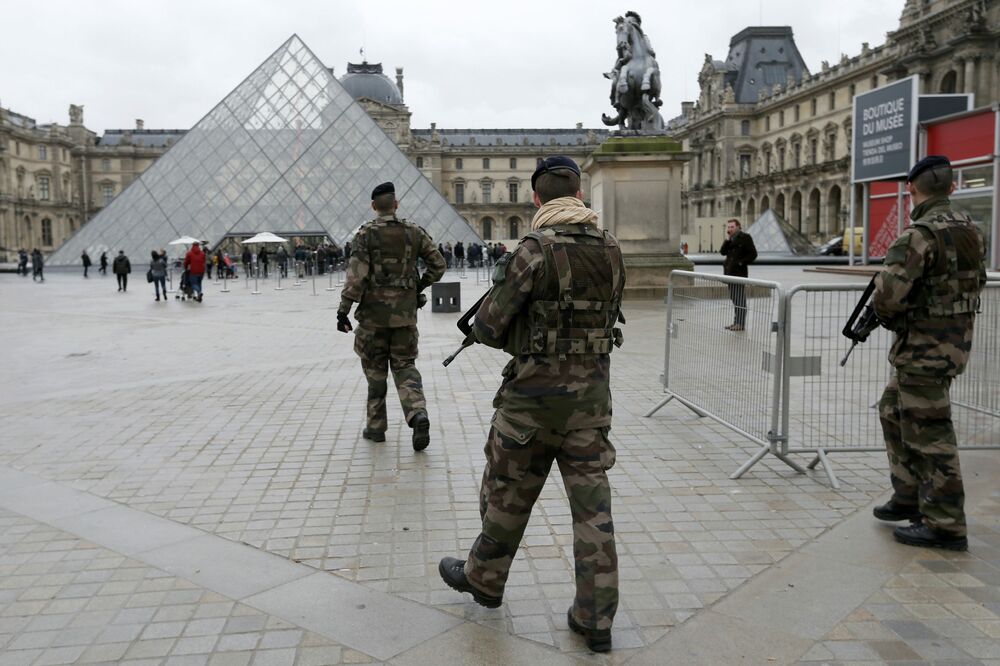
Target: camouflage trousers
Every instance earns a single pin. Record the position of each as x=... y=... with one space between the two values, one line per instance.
x=380 y=350
x=923 y=453
x=518 y=460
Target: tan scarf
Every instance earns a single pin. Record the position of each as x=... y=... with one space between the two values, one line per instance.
x=564 y=210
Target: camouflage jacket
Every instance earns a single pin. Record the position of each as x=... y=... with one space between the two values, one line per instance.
x=929 y=345
x=561 y=392
x=382 y=275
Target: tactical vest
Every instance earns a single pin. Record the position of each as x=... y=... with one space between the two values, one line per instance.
x=951 y=286
x=392 y=252
x=580 y=297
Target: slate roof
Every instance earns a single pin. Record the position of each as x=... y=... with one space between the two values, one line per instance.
x=761 y=57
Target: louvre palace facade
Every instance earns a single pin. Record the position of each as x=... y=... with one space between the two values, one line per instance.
x=765 y=132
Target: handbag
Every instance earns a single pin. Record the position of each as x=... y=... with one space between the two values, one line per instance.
x=149 y=275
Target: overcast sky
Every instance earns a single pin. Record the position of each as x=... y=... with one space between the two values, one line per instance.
x=500 y=64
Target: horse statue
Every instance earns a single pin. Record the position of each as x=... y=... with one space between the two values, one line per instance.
x=635 y=79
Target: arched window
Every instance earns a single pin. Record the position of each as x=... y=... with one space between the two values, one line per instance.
x=765 y=203
x=738 y=208
x=487 y=223
x=47 y=232
x=514 y=227
x=779 y=205
x=834 y=221
x=420 y=162
x=814 y=211
x=795 y=212
x=751 y=211
x=949 y=82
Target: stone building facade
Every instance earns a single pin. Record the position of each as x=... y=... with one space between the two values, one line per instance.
x=39 y=195
x=767 y=133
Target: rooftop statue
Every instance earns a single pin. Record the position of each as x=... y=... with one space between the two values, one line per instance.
x=635 y=79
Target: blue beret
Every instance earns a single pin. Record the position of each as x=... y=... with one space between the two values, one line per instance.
x=554 y=163
x=384 y=188
x=929 y=162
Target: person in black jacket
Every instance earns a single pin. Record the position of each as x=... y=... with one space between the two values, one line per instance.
x=740 y=252
x=121 y=267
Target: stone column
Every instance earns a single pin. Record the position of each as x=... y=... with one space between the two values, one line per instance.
x=636 y=189
x=970 y=75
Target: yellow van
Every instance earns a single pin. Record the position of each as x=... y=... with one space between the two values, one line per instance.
x=858 y=239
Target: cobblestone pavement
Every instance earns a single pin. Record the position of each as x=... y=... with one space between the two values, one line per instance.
x=941 y=608
x=241 y=417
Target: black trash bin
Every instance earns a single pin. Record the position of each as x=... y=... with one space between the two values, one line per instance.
x=446 y=297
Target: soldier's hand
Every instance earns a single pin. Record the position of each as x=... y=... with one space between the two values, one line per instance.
x=343 y=323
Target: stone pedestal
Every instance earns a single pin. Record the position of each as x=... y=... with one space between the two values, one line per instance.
x=635 y=187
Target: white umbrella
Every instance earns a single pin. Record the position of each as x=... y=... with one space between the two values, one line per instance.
x=184 y=240
x=265 y=237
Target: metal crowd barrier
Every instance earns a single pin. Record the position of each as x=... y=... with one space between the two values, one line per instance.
x=732 y=377
x=815 y=405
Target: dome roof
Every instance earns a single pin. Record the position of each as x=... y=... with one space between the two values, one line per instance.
x=367 y=80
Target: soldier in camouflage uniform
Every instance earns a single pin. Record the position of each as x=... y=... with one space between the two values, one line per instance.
x=928 y=294
x=553 y=306
x=383 y=279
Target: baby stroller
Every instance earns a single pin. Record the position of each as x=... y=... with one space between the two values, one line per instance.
x=184 y=291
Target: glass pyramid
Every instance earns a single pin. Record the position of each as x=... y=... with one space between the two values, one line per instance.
x=773 y=235
x=288 y=151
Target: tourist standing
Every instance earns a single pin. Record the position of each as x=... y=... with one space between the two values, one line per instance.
x=37 y=265
x=158 y=270
x=104 y=263
x=22 y=262
x=194 y=264
x=383 y=279
x=557 y=319
x=263 y=258
x=85 y=258
x=121 y=267
x=740 y=252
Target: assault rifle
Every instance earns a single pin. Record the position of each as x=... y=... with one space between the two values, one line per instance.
x=465 y=325
x=862 y=321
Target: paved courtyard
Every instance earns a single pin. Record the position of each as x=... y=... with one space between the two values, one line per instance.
x=186 y=483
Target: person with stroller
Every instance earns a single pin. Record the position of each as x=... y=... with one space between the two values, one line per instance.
x=194 y=265
x=158 y=271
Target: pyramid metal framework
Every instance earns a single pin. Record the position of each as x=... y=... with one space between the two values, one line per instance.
x=287 y=151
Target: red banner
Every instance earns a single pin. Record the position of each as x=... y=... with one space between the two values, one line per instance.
x=884 y=226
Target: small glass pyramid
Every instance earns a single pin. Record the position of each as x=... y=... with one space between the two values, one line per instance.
x=773 y=235
x=288 y=151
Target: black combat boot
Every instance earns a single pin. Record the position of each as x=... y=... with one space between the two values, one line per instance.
x=373 y=435
x=452 y=572
x=598 y=640
x=421 y=431
x=892 y=511
x=927 y=537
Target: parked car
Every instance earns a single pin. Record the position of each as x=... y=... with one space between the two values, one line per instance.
x=832 y=248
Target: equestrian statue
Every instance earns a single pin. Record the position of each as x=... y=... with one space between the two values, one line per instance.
x=635 y=79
